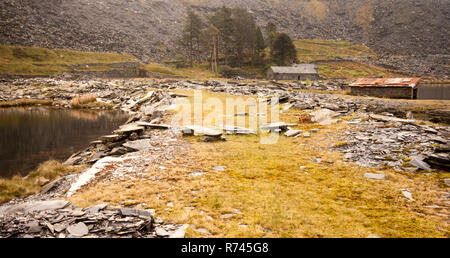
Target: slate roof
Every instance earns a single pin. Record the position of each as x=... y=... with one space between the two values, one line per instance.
x=296 y=69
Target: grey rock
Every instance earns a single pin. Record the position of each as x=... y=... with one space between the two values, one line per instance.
x=129 y=128
x=35 y=206
x=96 y=209
x=374 y=176
x=292 y=133
x=198 y=130
x=34 y=227
x=154 y=126
x=324 y=116
x=180 y=232
x=139 y=145
x=204 y=231
x=407 y=194
x=111 y=138
x=79 y=230
x=277 y=126
x=162 y=232
x=418 y=162
x=226 y=216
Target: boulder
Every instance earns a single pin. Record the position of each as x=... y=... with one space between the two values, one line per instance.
x=202 y=131
x=138 y=145
x=324 y=116
x=78 y=230
x=418 y=162
x=129 y=129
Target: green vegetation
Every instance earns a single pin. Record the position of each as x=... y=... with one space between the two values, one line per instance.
x=319 y=49
x=230 y=37
x=283 y=51
x=197 y=71
x=20 y=187
x=34 y=61
x=350 y=69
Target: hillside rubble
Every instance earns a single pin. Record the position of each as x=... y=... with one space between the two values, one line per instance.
x=149 y=29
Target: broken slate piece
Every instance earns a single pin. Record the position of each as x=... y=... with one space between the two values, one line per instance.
x=179 y=233
x=407 y=194
x=292 y=133
x=374 y=176
x=78 y=230
x=418 y=162
x=138 y=145
x=162 y=232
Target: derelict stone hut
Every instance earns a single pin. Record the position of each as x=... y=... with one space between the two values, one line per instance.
x=301 y=72
x=397 y=88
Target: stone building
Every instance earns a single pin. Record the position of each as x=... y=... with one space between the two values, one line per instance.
x=398 y=88
x=300 y=72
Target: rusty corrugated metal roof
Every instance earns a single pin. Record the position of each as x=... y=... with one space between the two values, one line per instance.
x=386 y=82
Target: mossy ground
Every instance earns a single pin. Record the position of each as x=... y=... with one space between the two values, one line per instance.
x=309 y=50
x=20 y=187
x=35 y=61
x=280 y=191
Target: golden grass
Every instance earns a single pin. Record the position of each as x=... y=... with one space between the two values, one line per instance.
x=89 y=101
x=198 y=72
x=352 y=69
x=319 y=49
x=20 y=187
x=280 y=191
x=83 y=99
x=30 y=61
x=25 y=102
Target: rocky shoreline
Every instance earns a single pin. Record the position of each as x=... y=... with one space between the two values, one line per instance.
x=384 y=135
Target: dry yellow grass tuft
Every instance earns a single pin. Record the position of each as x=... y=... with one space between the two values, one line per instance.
x=89 y=101
x=83 y=99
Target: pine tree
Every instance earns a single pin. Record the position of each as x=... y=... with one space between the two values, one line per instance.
x=191 y=36
x=244 y=36
x=224 y=23
x=271 y=32
x=283 y=51
x=260 y=46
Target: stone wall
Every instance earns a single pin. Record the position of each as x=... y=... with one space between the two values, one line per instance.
x=113 y=70
x=384 y=92
x=433 y=92
x=291 y=76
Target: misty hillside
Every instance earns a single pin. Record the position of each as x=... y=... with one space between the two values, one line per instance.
x=149 y=28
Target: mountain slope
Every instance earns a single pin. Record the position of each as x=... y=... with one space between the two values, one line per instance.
x=148 y=29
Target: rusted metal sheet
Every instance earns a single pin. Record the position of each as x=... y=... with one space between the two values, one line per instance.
x=386 y=82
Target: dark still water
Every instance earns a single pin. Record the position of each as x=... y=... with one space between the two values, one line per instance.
x=30 y=136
